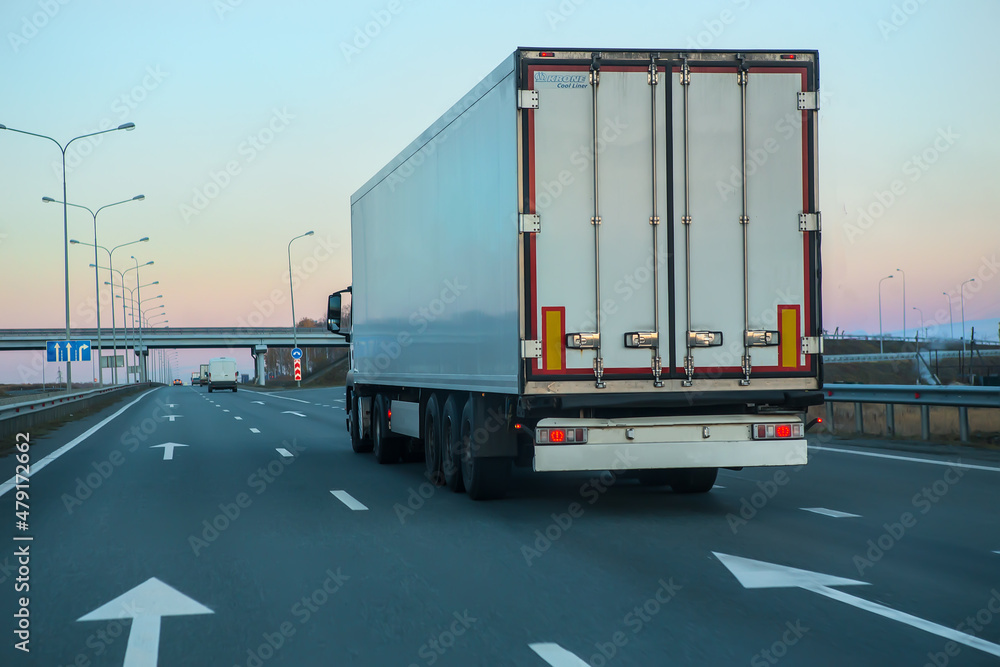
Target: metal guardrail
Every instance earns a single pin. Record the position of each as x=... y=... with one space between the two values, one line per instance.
x=16 y=416
x=925 y=396
x=905 y=356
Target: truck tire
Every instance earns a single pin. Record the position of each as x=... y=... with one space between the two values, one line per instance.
x=432 y=442
x=485 y=478
x=693 y=480
x=210 y=389
x=385 y=446
x=358 y=444
x=451 y=443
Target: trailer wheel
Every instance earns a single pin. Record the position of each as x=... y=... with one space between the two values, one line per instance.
x=358 y=444
x=693 y=480
x=451 y=444
x=485 y=478
x=432 y=442
x=385 y=446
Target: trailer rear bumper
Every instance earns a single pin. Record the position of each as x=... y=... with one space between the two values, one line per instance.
x=684 y=442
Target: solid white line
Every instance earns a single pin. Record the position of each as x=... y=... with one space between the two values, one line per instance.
x=832 y=513
x=297 y=400
x=920 y=623
x=239 y=418
x=349 y=500
x=947 y=464
x=284 y=452
x=253 y=430
x=556 y=655
x=38 y=465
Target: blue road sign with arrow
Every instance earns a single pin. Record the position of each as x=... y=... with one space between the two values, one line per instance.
x=67 y=350
x=296 y=353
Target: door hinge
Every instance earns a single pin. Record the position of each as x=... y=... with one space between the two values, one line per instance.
x=810 y=222
x=808 y=101
x=812 y=345
x=531 y=349
x=527 y=99
x=529 y=223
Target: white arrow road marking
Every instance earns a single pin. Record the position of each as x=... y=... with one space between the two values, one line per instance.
x=556 y=655
x=259 y=402
x=349 y=500
x=253 y=430
x=284 y=452
x=948 y=464
x=289 y=412
x=168 y=449
x=172 y=417
x=758 y=574
x=833 y=513
x=145 y=605
x=239 y=418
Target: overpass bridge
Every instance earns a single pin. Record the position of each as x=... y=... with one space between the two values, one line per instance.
x=258 y=339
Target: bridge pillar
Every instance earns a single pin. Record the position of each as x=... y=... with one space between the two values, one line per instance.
x=259 y=352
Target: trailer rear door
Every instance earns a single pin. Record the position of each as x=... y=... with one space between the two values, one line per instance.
x=676 y=239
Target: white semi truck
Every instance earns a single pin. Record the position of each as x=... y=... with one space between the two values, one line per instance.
x=596 y=260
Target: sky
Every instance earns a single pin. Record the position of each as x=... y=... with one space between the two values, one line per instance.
x=256 y=121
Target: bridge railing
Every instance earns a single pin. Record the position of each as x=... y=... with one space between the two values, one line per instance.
x=924 y=396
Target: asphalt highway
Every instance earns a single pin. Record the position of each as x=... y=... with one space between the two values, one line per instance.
x=244 y=531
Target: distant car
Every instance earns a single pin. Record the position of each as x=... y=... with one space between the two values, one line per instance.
x=177 y=383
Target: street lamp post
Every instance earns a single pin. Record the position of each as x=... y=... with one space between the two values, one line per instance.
x=962 y=290
x=62 y=149
x=114 y=333
x=951 y=320
x=131 y=304
x=904 y=301
x=97 y=288
x=291 y=290
x=881 y=339
x=138 y=293
x=921 y=321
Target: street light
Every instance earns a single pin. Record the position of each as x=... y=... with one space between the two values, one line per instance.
x=291 y=289
x=962 y=290
x=139 y=295
x=904 y=302
x=880 y=337
x=62 y=149
x=114 y=333
x=97 y=292
x=921 y=321
x=951 y=320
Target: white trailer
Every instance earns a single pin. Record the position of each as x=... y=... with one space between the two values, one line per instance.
x=596 y=260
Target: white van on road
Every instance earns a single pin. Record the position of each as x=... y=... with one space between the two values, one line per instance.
x=222 y=374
